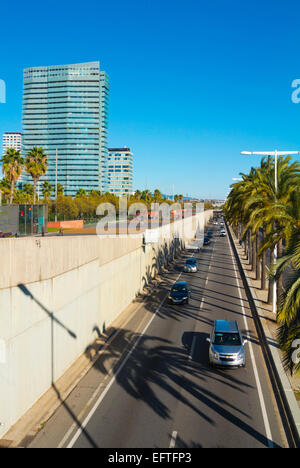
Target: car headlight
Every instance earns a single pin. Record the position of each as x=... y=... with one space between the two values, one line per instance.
x=216 y=355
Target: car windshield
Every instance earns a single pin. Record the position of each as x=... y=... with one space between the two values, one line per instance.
x=191 y=261
x=227 y=339
x=179 y=288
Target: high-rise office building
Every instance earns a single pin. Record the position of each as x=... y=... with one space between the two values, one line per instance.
x=12 y=140
x=120 y=171
x=65 y=110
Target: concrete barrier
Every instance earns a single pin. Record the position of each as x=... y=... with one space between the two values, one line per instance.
x=57 y=293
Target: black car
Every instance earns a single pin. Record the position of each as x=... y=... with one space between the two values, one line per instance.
x=180 y=293
x=206 y=241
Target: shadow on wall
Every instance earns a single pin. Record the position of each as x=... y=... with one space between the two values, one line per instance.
x=54 y=320
x=160 y=260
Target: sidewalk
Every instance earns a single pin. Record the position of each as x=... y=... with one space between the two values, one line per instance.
x=291 y=384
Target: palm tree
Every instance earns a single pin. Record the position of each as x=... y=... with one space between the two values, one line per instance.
x=81 y=193
x=157 y=196
x=254 y=203
x=47 y=189
x=5 y=189
x=60 y=189
x=27 y=193
x=36 y=164
x=12 y=165
x=137 y=194
x=288 y=265
x=266 y=202
x=28 y=189
x=288 y=314
x=146 y=197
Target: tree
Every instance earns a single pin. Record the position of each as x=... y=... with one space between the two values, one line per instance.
x=60 y=189
x=157 y=197
x=27 y=189
x=47 y=189
x=66 y=207
x=36 y=164
x=264 y=205
x=253 y=204
x=137 y=194
x=81 y=193
x=5 y=189
x=12 y=165
x=146 y=197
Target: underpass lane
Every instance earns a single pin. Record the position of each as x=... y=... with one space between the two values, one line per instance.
x=239 y=404
x=162 y=390
x=58 y=430
x=144 y=395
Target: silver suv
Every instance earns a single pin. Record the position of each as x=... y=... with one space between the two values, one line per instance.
x=226 y=345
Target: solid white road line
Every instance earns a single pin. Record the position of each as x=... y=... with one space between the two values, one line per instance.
x=173 y=439
x=102 y=396
x=257 y=380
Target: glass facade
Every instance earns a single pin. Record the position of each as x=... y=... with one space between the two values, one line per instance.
x=32 y=218
x=120 y=171
x=23 y=219
x=65 y=111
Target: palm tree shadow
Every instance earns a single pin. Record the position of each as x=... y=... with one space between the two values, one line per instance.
x=54 y=320
x=155 y=368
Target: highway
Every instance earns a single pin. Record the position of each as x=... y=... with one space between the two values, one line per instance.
x=152 y=386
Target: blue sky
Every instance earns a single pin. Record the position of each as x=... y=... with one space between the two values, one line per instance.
x=191 y=83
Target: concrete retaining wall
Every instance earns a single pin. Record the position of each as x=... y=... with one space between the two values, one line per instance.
x=55 y=293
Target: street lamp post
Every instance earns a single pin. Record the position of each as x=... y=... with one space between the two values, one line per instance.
x=275 y=154
x=56 y=156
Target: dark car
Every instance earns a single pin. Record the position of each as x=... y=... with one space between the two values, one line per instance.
x=210 y=234
x=179 y=293
x=191 y=265
x=206 y=241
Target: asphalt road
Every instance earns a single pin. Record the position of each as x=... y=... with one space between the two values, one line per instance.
x=160 y=392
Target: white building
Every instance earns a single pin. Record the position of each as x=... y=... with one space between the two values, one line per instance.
x=120 y=171
x=12 y=140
